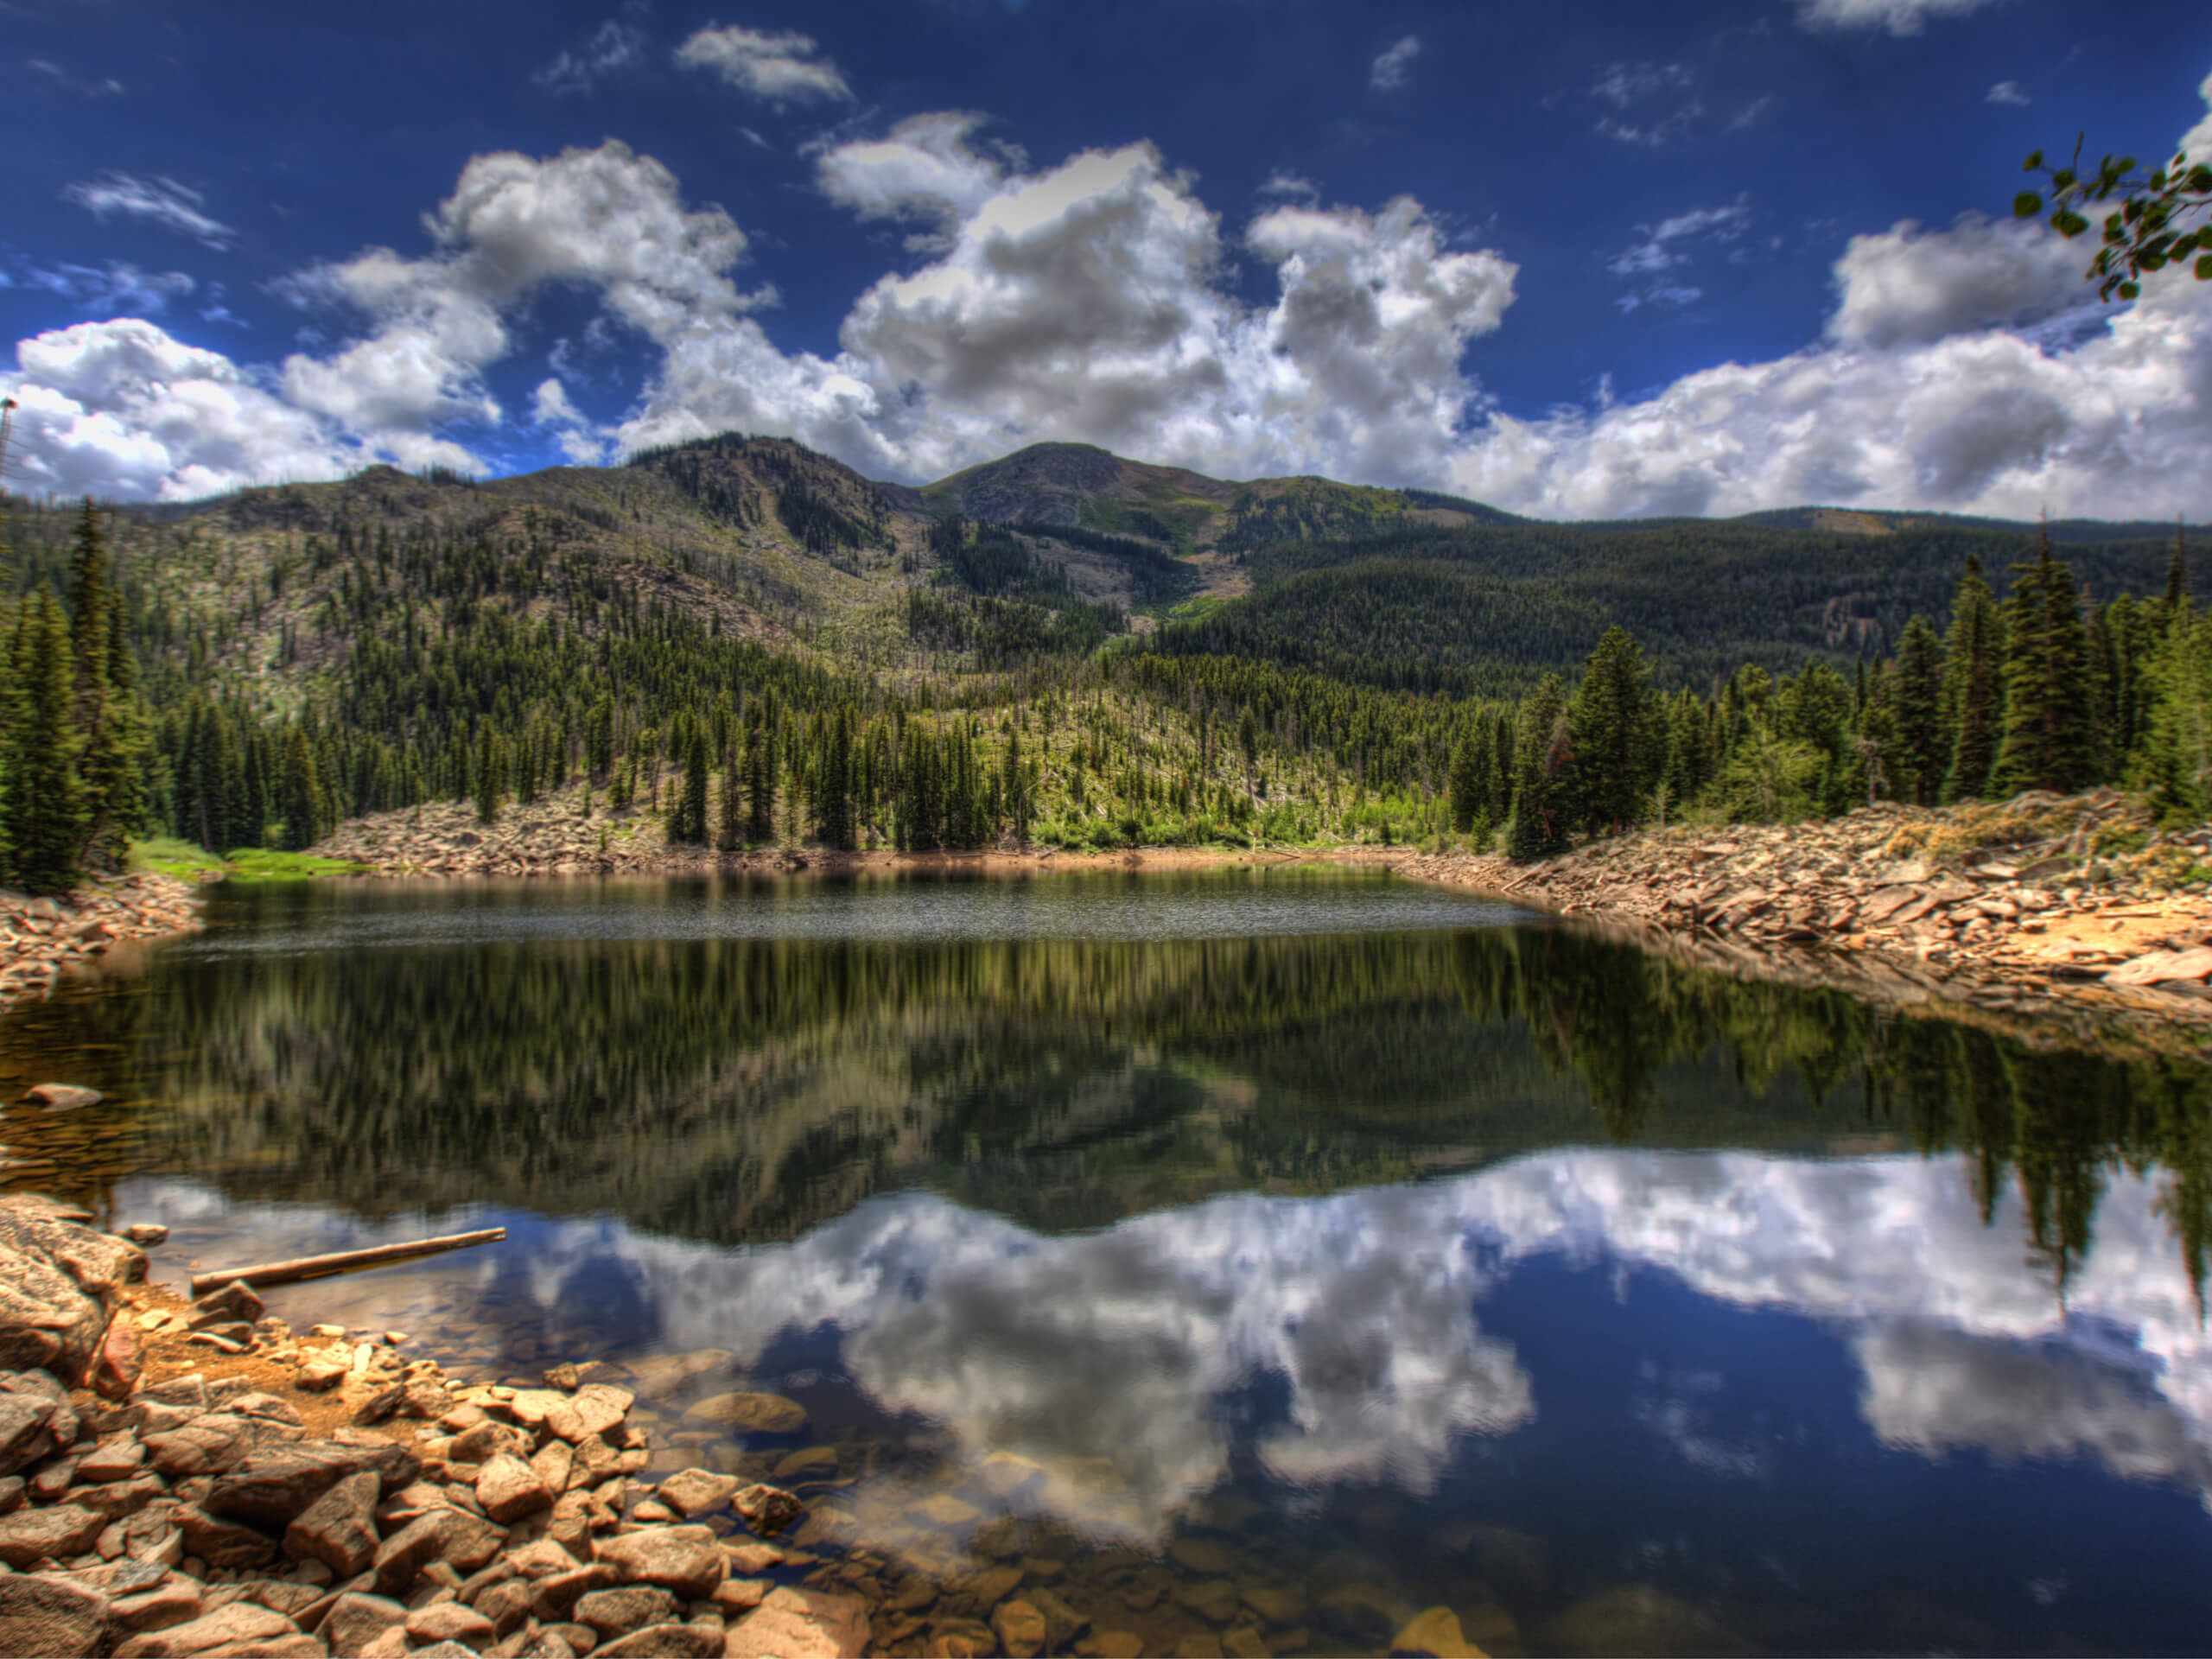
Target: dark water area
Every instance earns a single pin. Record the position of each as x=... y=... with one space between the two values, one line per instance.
x=1257 y=1258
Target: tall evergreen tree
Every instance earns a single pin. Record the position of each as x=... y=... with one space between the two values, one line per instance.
x=1924 y=742
x=303 y=828
x=1615 y=750
x=2049 y=741
x=1543 y=776
x=759 y=785
x=1973 y=690
x=44 y=803
x=1467 y=796
x=687 y=822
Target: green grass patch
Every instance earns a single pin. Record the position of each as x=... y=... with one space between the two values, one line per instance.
x=166 y=855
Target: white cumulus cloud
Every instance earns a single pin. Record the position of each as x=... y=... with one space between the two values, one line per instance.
x=781 y=67
x=1909 y=286
x=121 y=409
x=1103 y=300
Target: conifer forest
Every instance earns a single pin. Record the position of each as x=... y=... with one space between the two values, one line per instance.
x=737 y=644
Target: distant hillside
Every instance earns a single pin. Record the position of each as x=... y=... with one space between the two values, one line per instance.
x=1874 y=521
x=1049 y=551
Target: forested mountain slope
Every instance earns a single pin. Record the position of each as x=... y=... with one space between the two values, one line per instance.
x=1062 y=643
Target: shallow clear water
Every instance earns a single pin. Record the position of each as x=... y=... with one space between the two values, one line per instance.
x=1253 y=1256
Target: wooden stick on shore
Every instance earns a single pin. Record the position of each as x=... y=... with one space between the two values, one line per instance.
x=314 y=1267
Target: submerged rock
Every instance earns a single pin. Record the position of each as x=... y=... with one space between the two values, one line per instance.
x=751 y=1414
x=800 y=1624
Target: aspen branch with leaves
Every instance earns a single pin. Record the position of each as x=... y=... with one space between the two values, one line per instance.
x=2145 y=232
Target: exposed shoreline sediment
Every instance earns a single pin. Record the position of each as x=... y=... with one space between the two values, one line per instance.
x=41 y=939
x=2056 y=909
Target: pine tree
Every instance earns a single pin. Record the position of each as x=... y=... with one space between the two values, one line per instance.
x=92 y=597
x=1543 y=773
x=729 y=834
x=44 y=804
x=759 y=785
x=836 y=789
x=1467 y=796
x=687 y=822
x=1013 y=787
x=302 y=827
x=1973 y=690
x=491 y=773
x=1617 y=757
x=2048 y=742
x=1923 y=738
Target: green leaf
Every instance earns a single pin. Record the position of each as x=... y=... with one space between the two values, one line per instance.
x=2026 y=204
x=2129 y=290
x=2032 y=162
x=2204 y=269
x=2068 y=223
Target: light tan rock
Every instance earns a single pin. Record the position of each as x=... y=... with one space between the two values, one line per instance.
x=792 y=1623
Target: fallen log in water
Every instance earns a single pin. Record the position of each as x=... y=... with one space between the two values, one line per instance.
x=314 y=1267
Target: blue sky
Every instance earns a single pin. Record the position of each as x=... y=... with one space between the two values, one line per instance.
x=1579 y=259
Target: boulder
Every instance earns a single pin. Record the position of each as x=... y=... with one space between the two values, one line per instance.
x=686 y=1559
x=792 y=1623
x=235 y=1303
x=42 y=1617
x=664 y=1641
x=147 y=1234
x=24 y=1436
x=171 y=1602
x=31 y=1535
x=662 y=1375
x=768 y=1510
x=238 y=1621
x=222 y=1542
x=449 y=1621
x=1435 y=1634
x=46 y=1321
x=1022 y=1629
x=592 y=1409
x=355 y=1620
x=505 y=1605
x=507 y=1489
x=339 y=1528
x=175 y=1600
x=119 y=1363
x=464 y=1540
x=274 y=1484
x=99 y=1264
x=115 y=1499
x=696 y=1491
x=750 y=1414
x=619 y=1611
x=553 y=1598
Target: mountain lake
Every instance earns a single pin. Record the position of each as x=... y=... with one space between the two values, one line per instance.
x=1245 y=1260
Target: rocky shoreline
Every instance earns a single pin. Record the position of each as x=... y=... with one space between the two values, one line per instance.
x=180 y=1480
x=41 y=939
x=2076 y=907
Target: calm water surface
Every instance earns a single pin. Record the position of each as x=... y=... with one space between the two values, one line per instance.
x=1254 y=1258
